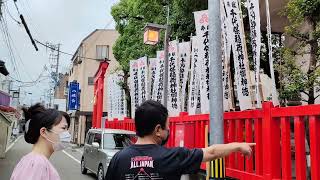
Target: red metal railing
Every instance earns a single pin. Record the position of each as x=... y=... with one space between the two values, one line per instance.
x=269 y=127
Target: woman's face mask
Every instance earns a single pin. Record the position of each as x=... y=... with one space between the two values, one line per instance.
x=63 y=141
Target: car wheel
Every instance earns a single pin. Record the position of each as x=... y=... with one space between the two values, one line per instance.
x=100 y=174
x=83 y=167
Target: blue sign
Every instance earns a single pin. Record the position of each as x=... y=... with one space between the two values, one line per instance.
x=74 y=96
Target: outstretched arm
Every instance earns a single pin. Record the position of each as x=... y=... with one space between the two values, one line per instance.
x=221 y=150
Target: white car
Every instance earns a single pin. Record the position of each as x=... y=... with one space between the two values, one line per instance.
x=100 y=146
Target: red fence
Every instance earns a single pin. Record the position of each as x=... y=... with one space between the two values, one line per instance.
x=280 y=134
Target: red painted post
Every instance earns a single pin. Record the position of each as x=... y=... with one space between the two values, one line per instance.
x=271 y=146
x=94 y=114
x=226 y=130
x=240 y=138
x=232 y=130
x=286 y=148
x=300 y=147
x=99 y=102
x=249 y=139
x=258 y=148
x=314 y=126
x=197 y=133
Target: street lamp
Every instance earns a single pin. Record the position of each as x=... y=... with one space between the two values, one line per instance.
x=151 y=37
x=152 y=33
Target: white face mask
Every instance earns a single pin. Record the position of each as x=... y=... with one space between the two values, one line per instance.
x=64 y=141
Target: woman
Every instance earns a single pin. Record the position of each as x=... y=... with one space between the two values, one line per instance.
x=47 y=130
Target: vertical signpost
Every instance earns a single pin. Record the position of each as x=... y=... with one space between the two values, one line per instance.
x=74 y=100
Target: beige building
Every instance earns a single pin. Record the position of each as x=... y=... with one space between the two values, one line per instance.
x=61 y=93
x=96 y=47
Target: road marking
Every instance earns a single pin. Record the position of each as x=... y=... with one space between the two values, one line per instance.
x=70 y=156
x=12 y=144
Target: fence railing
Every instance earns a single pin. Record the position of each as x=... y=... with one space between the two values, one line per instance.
x=282 y=134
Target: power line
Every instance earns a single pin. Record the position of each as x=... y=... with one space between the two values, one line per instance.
x=14 y=19
x=7 y=38
x=62 y=52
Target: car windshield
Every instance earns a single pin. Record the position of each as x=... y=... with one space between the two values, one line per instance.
x=115 y=141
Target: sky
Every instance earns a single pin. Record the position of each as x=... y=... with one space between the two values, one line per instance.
x=56 y=21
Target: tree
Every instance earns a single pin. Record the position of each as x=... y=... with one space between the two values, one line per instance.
x=302 y=13
x=131 y=16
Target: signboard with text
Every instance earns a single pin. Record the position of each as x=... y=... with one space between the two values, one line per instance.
x=73 y=100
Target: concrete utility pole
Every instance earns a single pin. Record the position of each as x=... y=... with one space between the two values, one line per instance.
x=216 y=92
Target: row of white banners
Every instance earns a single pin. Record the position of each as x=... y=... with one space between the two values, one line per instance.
x=188 y=66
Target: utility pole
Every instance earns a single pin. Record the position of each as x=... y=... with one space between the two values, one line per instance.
x=216 y=94
x=54 y=58
x=216 y=91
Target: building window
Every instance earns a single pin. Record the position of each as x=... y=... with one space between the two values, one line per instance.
x=102 y=52
x=90 y=80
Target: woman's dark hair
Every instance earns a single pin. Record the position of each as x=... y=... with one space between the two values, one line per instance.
x=39 y=117
x=148 y=115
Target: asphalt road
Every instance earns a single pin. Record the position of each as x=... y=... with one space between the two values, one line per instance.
x=66 y=162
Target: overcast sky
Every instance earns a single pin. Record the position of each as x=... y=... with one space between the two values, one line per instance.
x=56 y=21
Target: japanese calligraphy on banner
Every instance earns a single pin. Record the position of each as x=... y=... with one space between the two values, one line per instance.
x=239 y=55
x=195 y=75
x=122 y=100
x=226 y=49
x=255 y=33
x=158 y=85
x=142 y=79
x=116 y=98
x=184 y=66
x=109 y=97
x=173 y=80
x=275 y=99
x=202 y=30
x=152 y=76
x=134 y=86
x=73 y=97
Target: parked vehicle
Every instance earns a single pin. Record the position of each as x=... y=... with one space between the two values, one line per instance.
x=100 y=146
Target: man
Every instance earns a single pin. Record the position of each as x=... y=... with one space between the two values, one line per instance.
x=148 y=159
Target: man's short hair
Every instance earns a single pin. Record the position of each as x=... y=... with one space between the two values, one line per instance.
x=148 y=115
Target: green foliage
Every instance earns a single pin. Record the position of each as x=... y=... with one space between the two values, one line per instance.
x=301 y=13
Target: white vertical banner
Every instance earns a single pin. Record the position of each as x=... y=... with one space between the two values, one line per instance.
x=226 y=49
x=158 y=86
x=116 y=95
x=202 y=30
x=122 y=105
x=255 y=33
x=173 y=80
x=142 y=79
x=152 y=76
x=134 y=86
x=195 y=75
x=275 y=99
x=240 y=55
x=184 y=66
x=109 y=97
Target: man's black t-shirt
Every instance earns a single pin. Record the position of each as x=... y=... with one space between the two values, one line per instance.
x=144 y=162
